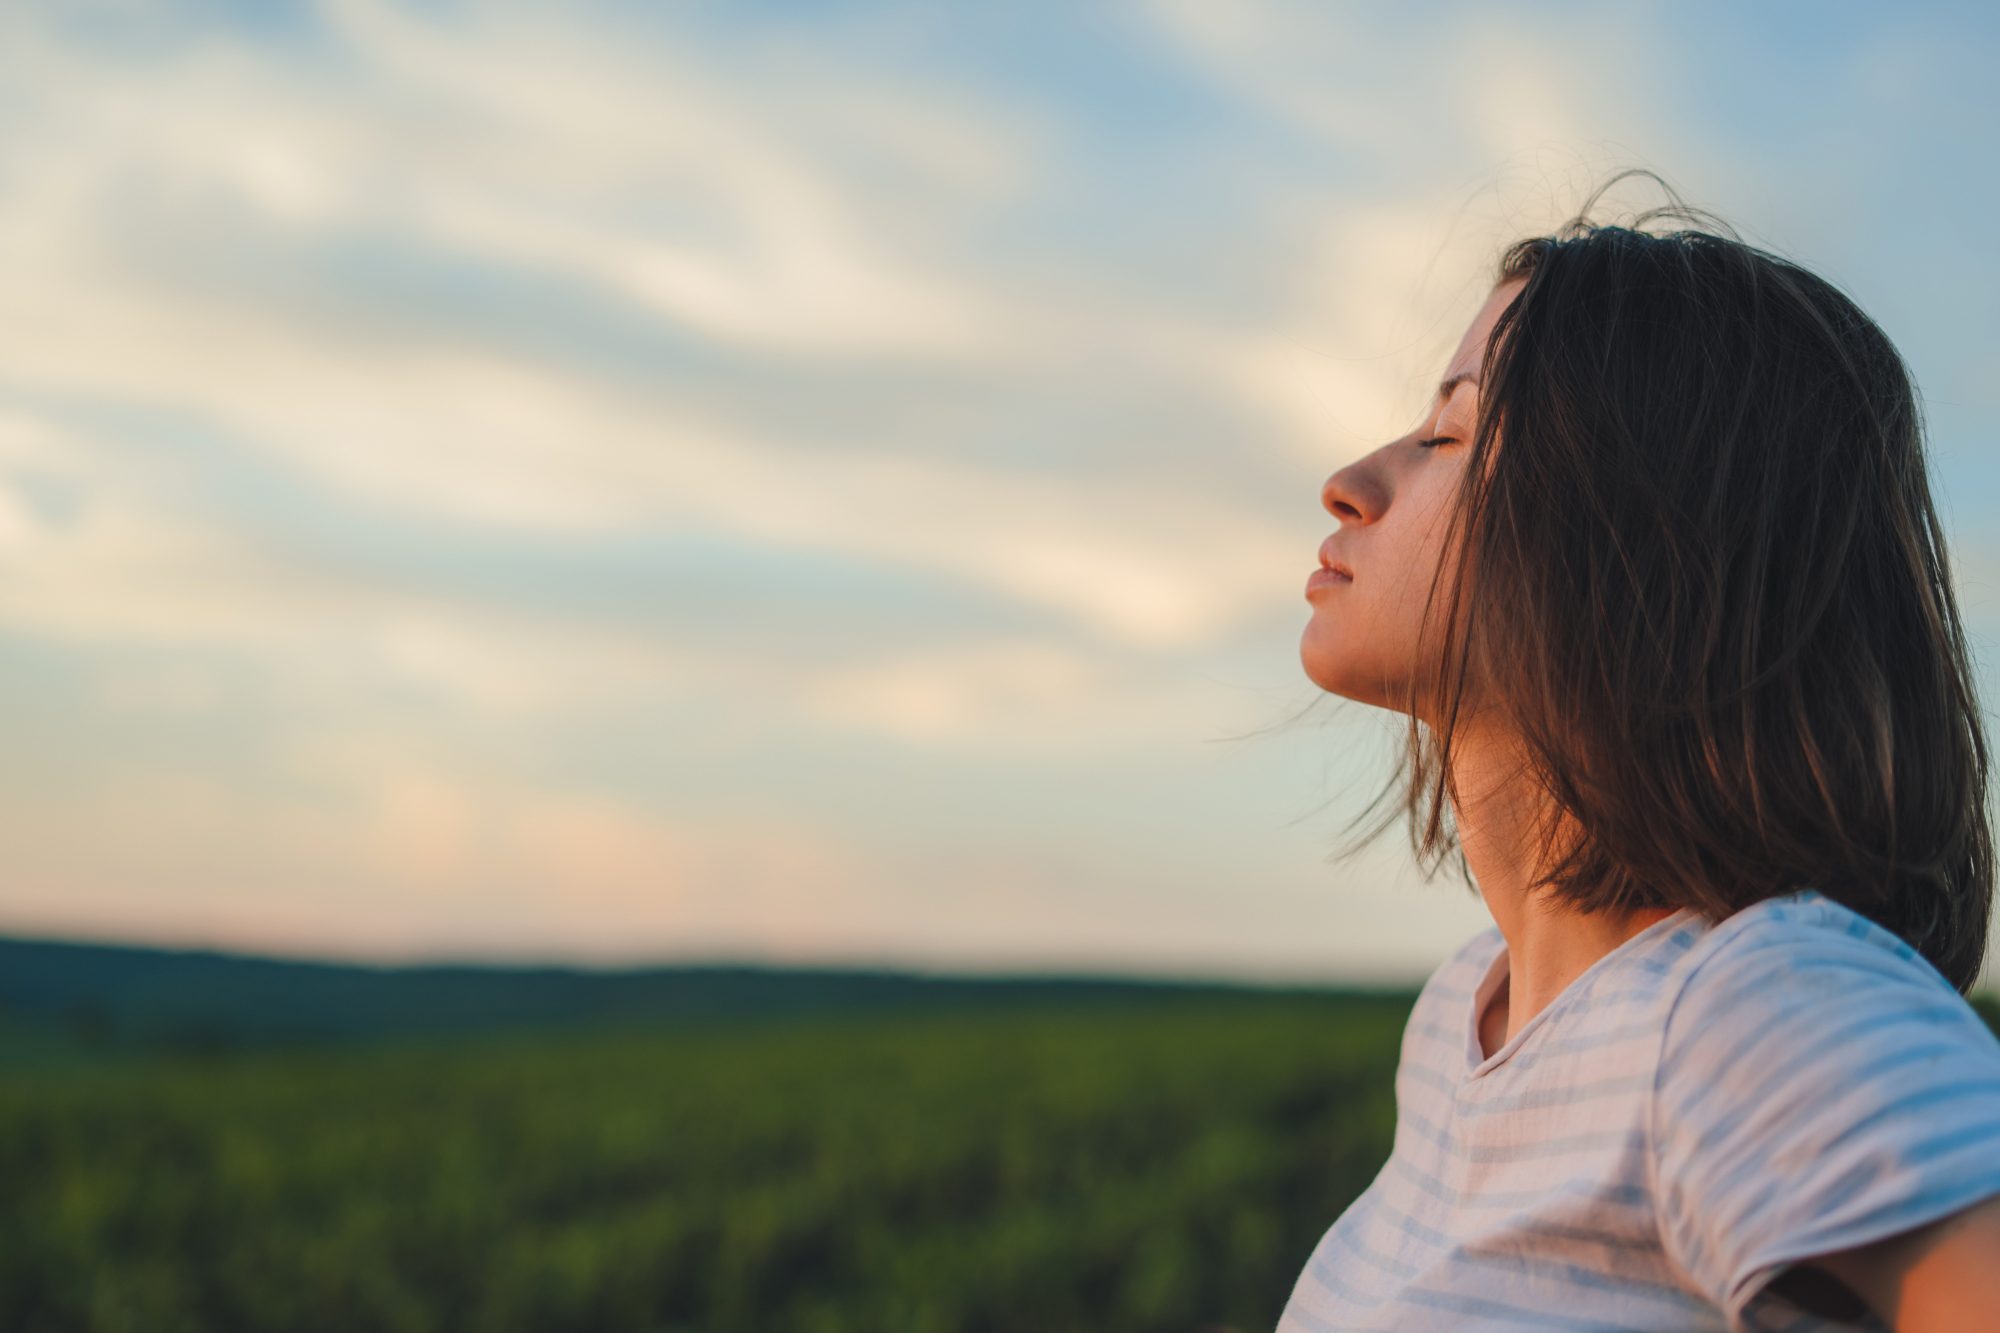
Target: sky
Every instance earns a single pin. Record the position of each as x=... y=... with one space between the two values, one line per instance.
x=615 y=482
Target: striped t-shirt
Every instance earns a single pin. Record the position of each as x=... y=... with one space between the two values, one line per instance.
x=1703 y=1106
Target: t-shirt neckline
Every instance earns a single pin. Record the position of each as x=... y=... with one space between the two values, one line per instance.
x=1477 y=1063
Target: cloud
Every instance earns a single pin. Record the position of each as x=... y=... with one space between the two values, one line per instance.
x=1013 y=700
x=1427 y=100
x=534 y=147
x=1457 y=136
x=502 y=477
x=127 y=571
x=372 y=843
x=542 y=144
x=1326 y=69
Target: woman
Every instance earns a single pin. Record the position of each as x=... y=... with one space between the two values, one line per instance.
x=1659 y=583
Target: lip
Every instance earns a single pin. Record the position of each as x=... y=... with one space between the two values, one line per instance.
x=1328 y=560
x=1327 y=577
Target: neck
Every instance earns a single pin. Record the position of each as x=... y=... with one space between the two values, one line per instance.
x=1548 y=945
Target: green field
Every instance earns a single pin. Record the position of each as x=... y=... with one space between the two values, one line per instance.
x=1159 y=1164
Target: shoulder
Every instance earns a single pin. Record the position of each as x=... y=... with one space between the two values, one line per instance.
x=1810 y=918
x=1809 y=979
x=1800 y=949
x=1819 y=1086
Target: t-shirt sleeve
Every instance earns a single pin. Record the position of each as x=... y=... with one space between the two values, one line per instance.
x=1816 y=1090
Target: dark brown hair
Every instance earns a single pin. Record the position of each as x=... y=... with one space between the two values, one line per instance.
x=1704 y=579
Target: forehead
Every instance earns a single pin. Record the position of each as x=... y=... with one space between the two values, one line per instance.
x=1472 y=347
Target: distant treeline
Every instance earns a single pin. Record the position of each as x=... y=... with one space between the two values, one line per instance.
x=112 y=996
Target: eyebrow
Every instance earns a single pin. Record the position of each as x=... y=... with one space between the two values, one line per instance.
x=1444 y=389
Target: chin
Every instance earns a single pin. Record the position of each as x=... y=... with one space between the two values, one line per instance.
x=1320 y=667
x=1320 y=676
x=1331 y=675
x=1340 y=674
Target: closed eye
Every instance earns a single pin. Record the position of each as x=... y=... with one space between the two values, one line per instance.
x=1435 y=441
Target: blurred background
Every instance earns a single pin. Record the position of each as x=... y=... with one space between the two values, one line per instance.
x=693 y=609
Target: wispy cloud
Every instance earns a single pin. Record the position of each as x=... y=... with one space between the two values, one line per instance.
x=473 y=475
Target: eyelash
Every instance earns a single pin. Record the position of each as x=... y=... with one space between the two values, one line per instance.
x=1434 y=441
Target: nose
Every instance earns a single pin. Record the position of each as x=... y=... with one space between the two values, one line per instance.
x=1346 y=494
x=1360 y=492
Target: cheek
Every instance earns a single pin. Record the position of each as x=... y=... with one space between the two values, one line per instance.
x=1421 y=541
x=1415 y=566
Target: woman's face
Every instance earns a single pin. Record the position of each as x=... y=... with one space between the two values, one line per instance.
x=1362 y=639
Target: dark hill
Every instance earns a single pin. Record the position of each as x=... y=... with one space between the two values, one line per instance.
x=124 y=996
